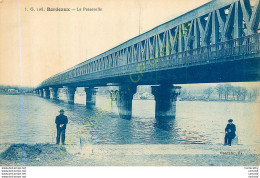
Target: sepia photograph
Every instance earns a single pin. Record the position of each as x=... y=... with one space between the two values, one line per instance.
x=129 y=83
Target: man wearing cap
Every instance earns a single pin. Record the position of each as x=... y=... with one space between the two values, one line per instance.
x=61 y=122
x=230 y=132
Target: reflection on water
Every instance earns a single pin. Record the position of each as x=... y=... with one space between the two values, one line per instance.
x=32 y=118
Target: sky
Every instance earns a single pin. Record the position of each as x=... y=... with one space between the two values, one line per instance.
x=51 y=42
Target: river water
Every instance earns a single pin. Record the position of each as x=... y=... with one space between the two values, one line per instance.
x=30 y=119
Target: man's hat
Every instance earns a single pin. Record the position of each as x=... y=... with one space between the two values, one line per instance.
x=61 y=110
x=230 y=120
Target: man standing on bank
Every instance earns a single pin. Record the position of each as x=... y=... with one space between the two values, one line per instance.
x=230 y=132
x=61 y=122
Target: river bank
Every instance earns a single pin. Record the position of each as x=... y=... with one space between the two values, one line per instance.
x=218 y=100
x=129 y=155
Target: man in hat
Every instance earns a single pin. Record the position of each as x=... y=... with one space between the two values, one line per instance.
x=61 y=122
x=230 y=132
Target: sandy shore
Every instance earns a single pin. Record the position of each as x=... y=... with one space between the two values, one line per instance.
x=129 y=155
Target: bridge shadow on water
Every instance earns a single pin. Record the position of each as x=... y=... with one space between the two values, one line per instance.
x=164 y=123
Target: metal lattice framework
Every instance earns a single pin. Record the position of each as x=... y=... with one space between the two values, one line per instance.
x=209 y=33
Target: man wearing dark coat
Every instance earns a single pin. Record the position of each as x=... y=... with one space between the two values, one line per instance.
x=230 y=132
x=61 y=122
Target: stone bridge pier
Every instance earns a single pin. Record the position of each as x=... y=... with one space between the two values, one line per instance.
x=46 y=93
x=123 y=98
x=36 y=92
x=40 y=93
x=54 y=93
x=71 y=94
x=91 y=97
x=165 y=100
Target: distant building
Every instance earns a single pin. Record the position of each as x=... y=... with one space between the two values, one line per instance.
x=143 y=92
x=12 y=91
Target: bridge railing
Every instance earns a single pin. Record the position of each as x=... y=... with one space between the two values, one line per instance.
x=223 y=51
x=220 y=51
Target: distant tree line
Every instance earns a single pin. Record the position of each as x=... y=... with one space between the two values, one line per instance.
x=4 y=89
x=229 y=92
x=225 y=92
